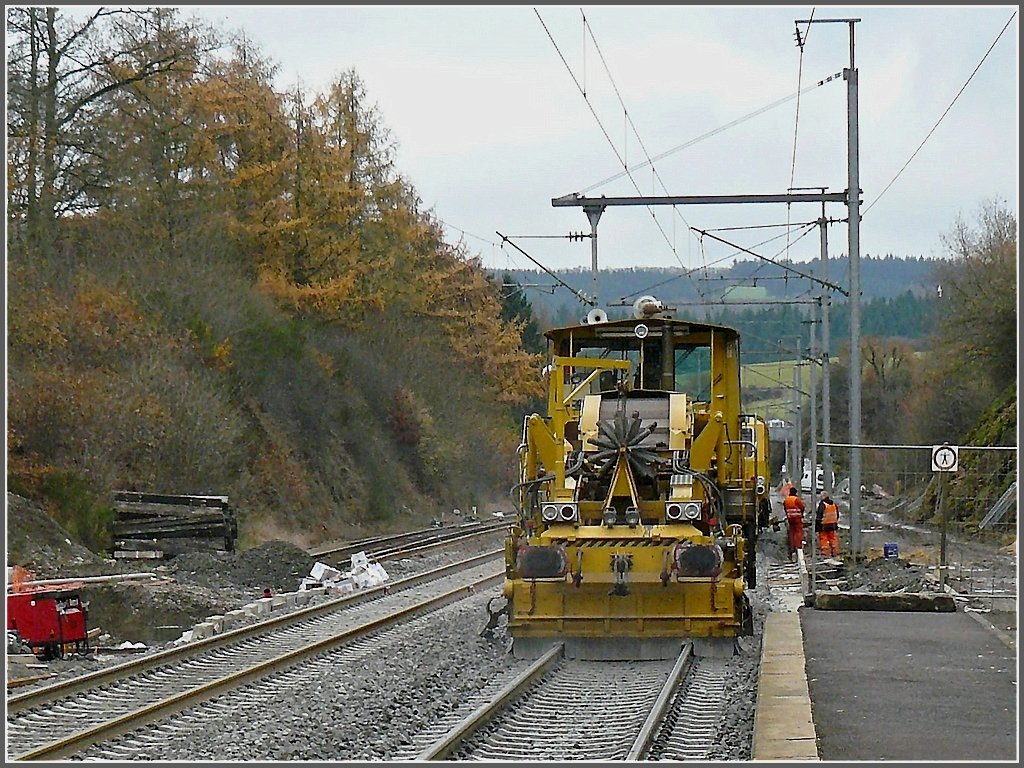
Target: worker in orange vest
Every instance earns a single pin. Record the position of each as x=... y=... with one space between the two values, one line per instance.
x=794 y=507
x=826 y=520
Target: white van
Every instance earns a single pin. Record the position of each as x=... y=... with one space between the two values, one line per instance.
x=805 y=481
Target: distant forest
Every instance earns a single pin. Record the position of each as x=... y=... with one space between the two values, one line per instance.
x=770 y=305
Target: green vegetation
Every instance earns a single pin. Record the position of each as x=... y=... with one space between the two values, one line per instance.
x=899 y=298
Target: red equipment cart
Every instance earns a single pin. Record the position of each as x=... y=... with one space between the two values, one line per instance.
x=50 y=620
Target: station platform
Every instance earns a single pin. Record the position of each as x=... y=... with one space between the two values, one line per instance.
x=871 y=685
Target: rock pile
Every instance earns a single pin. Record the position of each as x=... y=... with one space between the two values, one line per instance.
x=888 y=575
x=277 y=565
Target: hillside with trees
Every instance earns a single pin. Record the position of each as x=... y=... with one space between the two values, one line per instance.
x=963 y=388
x=215 y=288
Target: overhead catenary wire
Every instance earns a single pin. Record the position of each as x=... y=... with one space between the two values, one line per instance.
x=604 y=131
x=709 y=134
x=942 y=117
x=796 y=120
x=491 y=243
x=651 y=162
x=783 y=266
x=705 y=265
x=625 y=113
x=761 y=226
x=627 y=118
x=578 y=294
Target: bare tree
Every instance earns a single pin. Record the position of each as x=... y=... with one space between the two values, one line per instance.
x=60 y=68
x=979 y=318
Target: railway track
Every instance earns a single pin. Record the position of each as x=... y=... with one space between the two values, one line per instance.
x=561 y=709
x=394 y=546
x=630 y=710
x=118 y=700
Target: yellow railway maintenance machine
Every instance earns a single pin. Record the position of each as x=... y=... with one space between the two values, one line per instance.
x=639 y=493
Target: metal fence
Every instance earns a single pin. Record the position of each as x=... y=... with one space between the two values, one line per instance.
x=954 y=521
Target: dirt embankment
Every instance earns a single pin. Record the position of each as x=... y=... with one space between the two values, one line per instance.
x=36 y=541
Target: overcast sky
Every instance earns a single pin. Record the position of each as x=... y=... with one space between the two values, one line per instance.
x=490 y=125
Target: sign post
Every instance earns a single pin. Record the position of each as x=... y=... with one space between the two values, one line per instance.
x=945 y=459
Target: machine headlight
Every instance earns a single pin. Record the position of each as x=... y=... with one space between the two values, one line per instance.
x=567 y=512
x=544 y=562
x=609 y=517
x=674 y=512
x=632 y=517
x=691 y=511
x=760 y=484
x=549 y=512
x=702 y=560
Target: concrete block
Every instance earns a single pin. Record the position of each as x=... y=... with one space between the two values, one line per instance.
x=202 y=630
x=884 y=601
x=360 y=561
x=300 y=598
x=376 y=570
x=276 y=602
x=266 y=605
x=323 y=572
x=260 y=607
x=217 y=621
x=235 y=618
x=343 y=587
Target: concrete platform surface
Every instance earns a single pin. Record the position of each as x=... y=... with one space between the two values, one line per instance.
x=783 y=729
x=909 y=686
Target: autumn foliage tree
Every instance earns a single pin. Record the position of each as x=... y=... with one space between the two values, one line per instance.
x=219 y=287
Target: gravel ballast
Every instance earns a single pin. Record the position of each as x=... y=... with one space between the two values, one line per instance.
x=375 y=702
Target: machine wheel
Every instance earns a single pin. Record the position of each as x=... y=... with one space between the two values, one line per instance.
x=52 y=651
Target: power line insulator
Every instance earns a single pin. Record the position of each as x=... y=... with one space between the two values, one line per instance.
x=577 y=236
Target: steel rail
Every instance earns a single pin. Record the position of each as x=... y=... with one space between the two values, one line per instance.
x=355 y=544
x=429 y=536
x=75 y=742
x=367 y=543
x=385 y=555
x=510 y=699
x=661 y=705
x=443 y=748
x=44 y=695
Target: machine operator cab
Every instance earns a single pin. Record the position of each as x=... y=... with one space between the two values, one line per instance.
x=661 y=391
x=656 y=363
